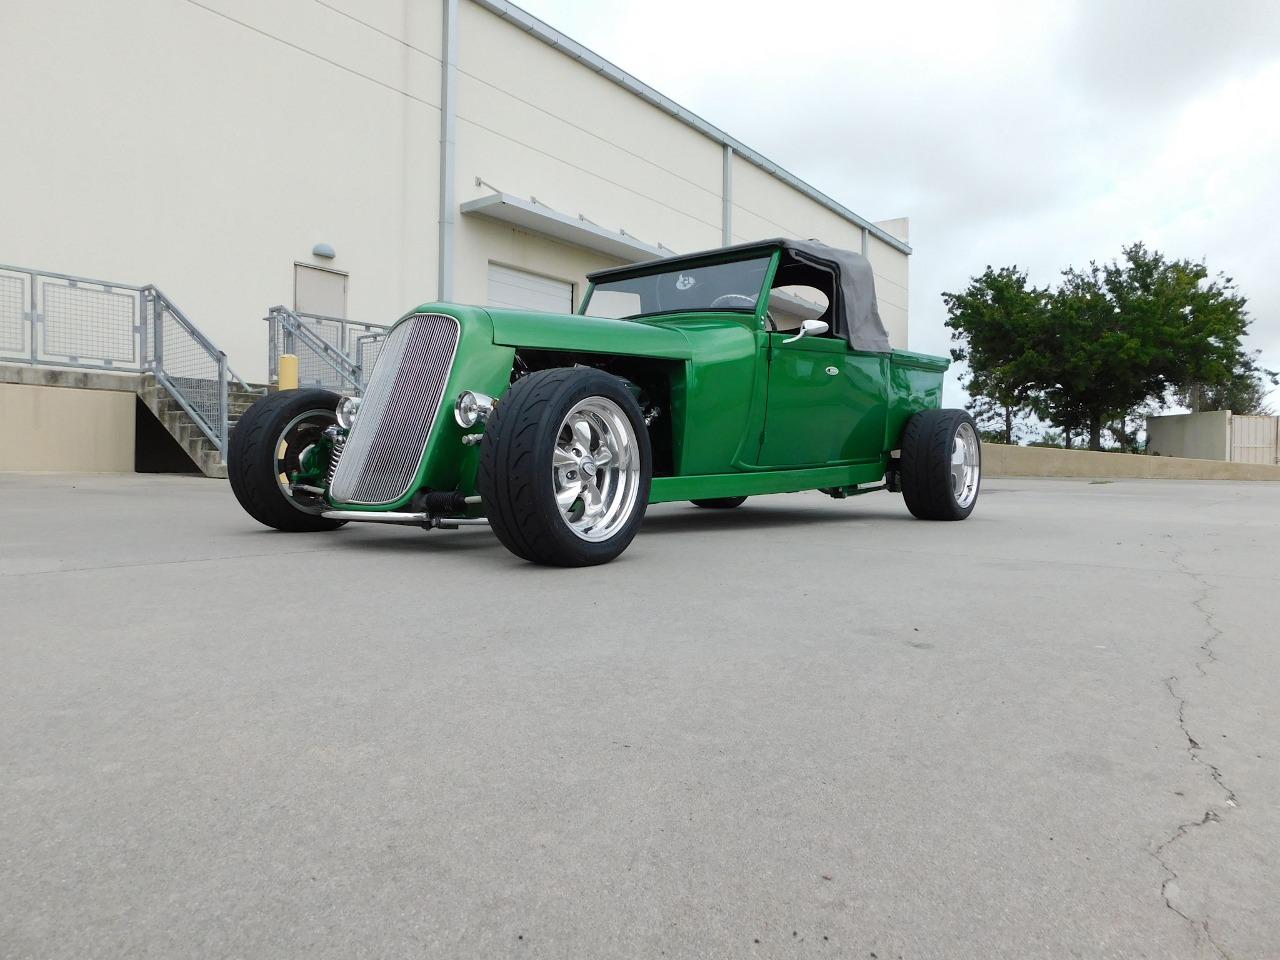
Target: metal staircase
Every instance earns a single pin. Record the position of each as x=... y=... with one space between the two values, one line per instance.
x=57 y=320
x=202 y=450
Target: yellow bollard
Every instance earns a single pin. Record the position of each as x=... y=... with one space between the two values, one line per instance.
x=288 y=379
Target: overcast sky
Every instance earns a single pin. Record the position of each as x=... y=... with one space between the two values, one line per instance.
x=1029 y=133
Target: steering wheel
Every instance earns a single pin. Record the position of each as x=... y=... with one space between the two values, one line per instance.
x=733 y=300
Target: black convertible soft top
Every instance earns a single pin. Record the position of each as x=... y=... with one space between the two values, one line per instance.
x=854 y=310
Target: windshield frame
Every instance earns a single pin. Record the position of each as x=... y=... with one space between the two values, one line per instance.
x=667 y=266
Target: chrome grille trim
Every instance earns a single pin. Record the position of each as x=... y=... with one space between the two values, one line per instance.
x=385 y=447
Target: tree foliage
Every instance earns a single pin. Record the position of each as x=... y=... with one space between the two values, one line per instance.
x=995 y=323
x=1245 y=392
x=1110 y=339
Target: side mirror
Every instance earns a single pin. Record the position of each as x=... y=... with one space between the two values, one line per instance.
x=810 y=328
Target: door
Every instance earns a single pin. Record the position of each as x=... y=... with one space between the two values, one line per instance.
x=320 y=292
x=521 y=290
x=1254 y=439
x=826 y=403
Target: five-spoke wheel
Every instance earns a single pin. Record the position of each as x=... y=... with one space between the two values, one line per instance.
x=595 y=469
x=941 y=465
x=565 y=467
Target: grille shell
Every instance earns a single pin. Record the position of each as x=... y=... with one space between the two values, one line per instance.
x=384 y=450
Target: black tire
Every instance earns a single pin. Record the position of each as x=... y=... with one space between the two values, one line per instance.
x=515 y=474
x=928 y=443
x=720 y=503
x=252 y=465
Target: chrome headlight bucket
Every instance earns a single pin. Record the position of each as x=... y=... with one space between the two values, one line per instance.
x=471 y=408
x=348 y=407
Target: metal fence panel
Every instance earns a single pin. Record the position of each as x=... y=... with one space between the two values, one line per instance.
x=1255 y=439
x=368 y=347
x=316 y=368
x=190 y=369
x=90 y=325
x=15 y=315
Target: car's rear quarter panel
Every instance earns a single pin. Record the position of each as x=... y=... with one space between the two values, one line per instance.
x=915 y=384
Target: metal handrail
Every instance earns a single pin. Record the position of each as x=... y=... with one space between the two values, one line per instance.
x=143 y=331
x=282 y=320
x=33 y=317
x=219 y=429
x=66 y=276
x=199 y=335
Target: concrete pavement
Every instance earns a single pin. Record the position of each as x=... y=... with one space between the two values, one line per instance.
x=802 y=728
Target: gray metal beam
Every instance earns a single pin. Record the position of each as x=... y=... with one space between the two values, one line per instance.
x=448 y=147
x=593 y=61
x=726 y=198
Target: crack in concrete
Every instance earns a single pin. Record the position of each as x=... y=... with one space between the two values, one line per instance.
x=1201 y=926
x=1193 y=751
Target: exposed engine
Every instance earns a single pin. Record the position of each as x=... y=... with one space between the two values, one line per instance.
x=647 y=380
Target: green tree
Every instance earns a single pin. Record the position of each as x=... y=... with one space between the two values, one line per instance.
x=995 y=323
x=1245 y=392
x=1096 y=362
x=1110 y=340
x=996 y=423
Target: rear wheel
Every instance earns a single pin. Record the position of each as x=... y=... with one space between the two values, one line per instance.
x=565 y=467
x=941 y=471
x=720 y=503
x=278 y=437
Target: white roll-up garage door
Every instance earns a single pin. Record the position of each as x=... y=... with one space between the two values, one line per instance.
x=528 y=291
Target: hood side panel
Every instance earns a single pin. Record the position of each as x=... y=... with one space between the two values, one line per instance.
x=554 y=331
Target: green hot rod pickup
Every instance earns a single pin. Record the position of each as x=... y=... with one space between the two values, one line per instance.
x=713 y=377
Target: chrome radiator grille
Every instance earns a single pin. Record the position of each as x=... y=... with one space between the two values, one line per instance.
x=381 y=456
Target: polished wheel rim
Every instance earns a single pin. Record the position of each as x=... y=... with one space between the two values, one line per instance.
x=303 y=432
x=595 y=469
x=966 y=465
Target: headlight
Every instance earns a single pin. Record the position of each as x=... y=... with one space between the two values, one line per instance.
x=348 y=407
x=471 y=408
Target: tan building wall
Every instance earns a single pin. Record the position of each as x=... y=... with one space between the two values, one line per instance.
x=200 y=151
x=206 y=148
x=66 y=429
x=1201 y=436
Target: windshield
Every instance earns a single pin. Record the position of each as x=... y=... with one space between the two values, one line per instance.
x=722 y=286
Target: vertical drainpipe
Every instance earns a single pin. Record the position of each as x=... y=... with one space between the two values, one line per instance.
x=726 y=198
x=865 y=234
x=448 y=147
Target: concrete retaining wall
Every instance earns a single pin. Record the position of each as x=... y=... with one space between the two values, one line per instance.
x=64 y=420
x=73 y=429
x=999 y=460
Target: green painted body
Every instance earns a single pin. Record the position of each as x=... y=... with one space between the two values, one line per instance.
x=748 y=414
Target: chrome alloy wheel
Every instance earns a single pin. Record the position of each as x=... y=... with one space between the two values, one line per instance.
x=595 y=469
x=966 y=465
x=294 y=443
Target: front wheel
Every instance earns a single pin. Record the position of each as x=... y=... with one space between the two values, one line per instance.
x=565 y=467
x=278 y=438
x=941 y=470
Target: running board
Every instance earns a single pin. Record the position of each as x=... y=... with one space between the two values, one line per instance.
x=750 y=483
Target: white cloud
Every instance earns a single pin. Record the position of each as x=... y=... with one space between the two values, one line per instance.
x=1036 y=134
